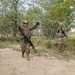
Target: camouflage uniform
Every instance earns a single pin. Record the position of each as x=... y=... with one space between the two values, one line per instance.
x=61 y=35
x=25 y=46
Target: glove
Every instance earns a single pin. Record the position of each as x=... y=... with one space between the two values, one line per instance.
x=19 y=28
x=37 y=23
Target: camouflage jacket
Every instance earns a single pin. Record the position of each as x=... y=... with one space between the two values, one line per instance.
x=61 y=32
x=27 y=31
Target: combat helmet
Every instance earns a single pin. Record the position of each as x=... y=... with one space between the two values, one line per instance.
x=25 y=22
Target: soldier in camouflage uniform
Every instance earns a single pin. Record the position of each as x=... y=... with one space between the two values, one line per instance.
x=25 y=46
x=61 y=33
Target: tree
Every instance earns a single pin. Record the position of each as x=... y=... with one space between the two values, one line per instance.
x=47 y=12
x=55 y=11
x=11 y=14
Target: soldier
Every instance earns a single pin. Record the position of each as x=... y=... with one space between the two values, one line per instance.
x=61 y=33
x=25 y=45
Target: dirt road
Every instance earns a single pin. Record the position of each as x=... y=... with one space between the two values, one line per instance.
x=11 y=63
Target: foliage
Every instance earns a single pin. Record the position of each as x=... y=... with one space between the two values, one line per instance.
x=47 y=12
x=10 y=39
x=11 y=16
x=54 y=11
x=48 y=44
x=33 y=14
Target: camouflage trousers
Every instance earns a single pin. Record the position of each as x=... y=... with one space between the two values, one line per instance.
x=25 y=47
x=60 y=40
x=60 y=43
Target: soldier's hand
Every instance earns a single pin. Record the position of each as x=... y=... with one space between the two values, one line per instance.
x=37 y=23
x=19 y=28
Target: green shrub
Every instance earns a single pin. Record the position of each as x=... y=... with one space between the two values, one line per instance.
x=48 y=44
x=70 y=41
x=39 y=41
x=2 y=39
x=56 y=44
x=11 y=39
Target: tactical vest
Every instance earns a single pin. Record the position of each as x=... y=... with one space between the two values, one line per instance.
x=27 y=32
x=60 y=33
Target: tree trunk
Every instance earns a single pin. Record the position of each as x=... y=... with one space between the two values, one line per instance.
x=16 y=16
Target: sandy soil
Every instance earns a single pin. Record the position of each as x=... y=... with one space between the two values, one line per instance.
x=11 y=63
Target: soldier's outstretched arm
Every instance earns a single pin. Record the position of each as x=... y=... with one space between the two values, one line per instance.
x=57 y=31
x=68 y=28
x=33 y=27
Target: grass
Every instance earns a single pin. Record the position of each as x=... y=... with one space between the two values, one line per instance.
x=47 y=47
x=9 y=45
x=43 y=51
